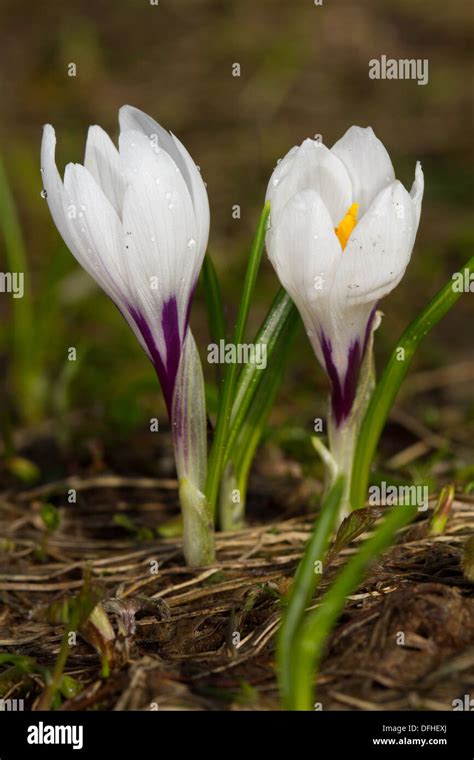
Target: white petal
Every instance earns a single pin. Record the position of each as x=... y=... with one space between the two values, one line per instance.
x=311 y=167
x=304 y=250
x=198 y=195
x=378 y=250
x=159 y=226
x=131 y=118
x=367 y=162
x=53 y=186
x=103 y=162
x=371 y=265
x=96 y=231
x=416 y=193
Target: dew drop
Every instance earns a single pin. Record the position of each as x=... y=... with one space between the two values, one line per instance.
x=44 y=194
x=152 y=238
x=167 y=196
x=275 y=182
x=191 y=243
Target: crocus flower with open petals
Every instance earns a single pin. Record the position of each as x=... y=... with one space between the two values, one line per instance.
x=341 y=233
x=341 y=236
x=137 y=219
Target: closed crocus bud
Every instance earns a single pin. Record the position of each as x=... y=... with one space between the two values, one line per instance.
x=137 y=219
x=341 y=235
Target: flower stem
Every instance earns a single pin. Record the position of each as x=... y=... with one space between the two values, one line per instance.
x=342 y=443
x=198 y=529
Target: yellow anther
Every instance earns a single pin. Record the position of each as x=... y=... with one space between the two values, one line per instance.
x=345 y=227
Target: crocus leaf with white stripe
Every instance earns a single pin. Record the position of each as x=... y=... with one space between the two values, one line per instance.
x=137 y=219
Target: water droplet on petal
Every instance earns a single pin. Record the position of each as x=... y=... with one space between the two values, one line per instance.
x=44 y=194
x=191 y=243
x=167 y=196
x=152 y=238
x=275 y=182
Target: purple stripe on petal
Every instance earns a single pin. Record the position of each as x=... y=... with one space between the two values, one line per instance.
x=342 y=393
x=170 y=325
x=166 y=371
x=336 y=391
x=354 y=360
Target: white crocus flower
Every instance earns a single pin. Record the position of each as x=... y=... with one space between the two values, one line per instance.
x=340 y=238
x=137 y=219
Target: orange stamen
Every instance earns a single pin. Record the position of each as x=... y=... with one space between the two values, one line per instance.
x=345 y=227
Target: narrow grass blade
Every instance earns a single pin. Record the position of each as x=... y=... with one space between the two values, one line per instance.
x=389 y=384
x=22 y=344
x=216 y=459
x=215 y=310
x=245 y=439
x=212 y=295
x=15 y=257
x=275 y=337
x=246 y=431
x=308 y=646
x=307 y=578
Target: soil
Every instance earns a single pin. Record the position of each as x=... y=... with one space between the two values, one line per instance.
x=204 y=639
